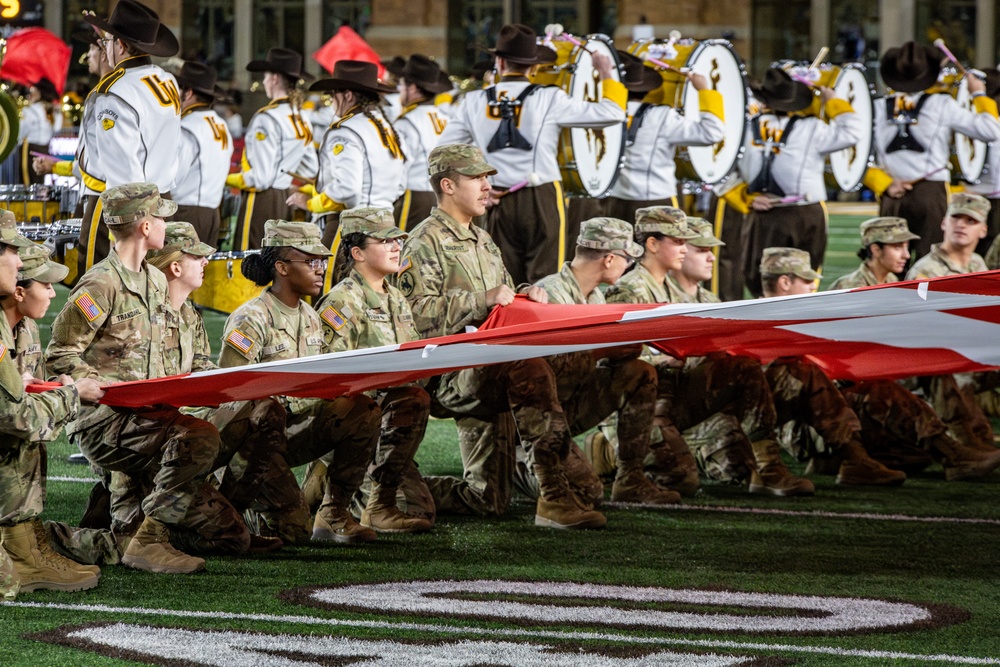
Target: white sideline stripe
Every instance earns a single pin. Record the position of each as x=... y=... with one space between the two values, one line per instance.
x=75 y=480
x=816 y=513
x=513 y=632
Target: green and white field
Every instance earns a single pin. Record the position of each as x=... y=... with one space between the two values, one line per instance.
x=903 y=576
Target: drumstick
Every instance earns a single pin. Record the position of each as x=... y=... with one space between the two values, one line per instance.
x=659 y=63
x=794 y=199
x=534 y=180
x=573 y=40
x=46 y=155
x=939 y=43
x=300 y=177
x=819 y=58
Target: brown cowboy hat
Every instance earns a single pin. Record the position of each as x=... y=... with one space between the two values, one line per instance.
x=356 y=75
x=283 y=61
x=780 y=92
x=910 y=68
x=637 y=77
x=139 y=26
x=395 y=65
x=86 y=35
x=519 y=44
x=993 y=82
x=200 y=78
x=427 y=74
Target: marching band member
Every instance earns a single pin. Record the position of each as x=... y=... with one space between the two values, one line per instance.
x=989 y=181
x=37 y=126
x=913 y=130
x=279 y=143
x=420 y=127
x=205 y=152
x=517 y=124
x=783 y=169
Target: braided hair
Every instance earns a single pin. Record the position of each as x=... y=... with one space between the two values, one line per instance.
x=259 y=267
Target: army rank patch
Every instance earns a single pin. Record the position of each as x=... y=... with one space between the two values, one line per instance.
x=87 y=306
x=338 y=149
x=240 y=341
x=333 y=318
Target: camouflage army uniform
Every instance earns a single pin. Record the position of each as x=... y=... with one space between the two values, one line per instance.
x=862 y=277
x=112 y=329
x=264 y=329
x=449 y=269
x=936 y=264
x=355 y=316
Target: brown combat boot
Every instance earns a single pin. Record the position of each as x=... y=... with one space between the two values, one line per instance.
x=150 y=550
x=383 y=516
x=558 y=506
x=632 y=486
x=35 y=569
x=859 y=469
x=772 y=476
x=962 y=462
x=334 y=522
x=10 y=582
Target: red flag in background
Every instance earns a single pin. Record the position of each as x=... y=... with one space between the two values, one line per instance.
x=33 y=53
x=346 y=45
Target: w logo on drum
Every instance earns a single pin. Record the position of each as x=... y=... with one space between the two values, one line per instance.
x=219 y=132
x=164 y=91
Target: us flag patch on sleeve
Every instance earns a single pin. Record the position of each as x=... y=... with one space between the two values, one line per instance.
x=333 y=318
x=87 y=306
x=3 y=351
x=240 y=341
x=405 y=264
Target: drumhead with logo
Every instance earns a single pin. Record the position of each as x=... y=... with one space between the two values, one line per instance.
x=848 y=166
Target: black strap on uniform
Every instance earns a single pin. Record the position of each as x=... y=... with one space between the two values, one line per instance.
x=507 y=135
x=636 y=123
x=904 y=141
x=764 y=182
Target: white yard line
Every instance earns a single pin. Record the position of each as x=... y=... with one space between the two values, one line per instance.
x=515 y=632
x=72 y=480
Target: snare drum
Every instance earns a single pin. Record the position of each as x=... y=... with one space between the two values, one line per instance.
x=224 y=288
x=969 y=154
x=716 y=60
x=33 y=232
x=589 y=158
x=31 y=203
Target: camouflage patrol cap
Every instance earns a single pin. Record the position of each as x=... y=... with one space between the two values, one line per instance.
x=608 y=234
x=705 y=238
x=181 y=236
x=303 y=236
x=787 y=261
x=666 y=220
x=976 y=207
x=125 y=204
x=372 y=221
x=462 y=158
x=9 y=234
x=36 y=265
x=887 y=229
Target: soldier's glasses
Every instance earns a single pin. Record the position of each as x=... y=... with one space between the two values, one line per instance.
x=317 y=264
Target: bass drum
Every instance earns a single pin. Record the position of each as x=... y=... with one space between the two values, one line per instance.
x=716 y=60
x=224 y=288
x=589 y=158
x=969 y=154
x=848 y=166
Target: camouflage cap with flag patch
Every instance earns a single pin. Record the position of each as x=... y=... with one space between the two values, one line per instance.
x=886 y=229
x=705 y=237
x=787 y=261
x=125 y=204
x=665 y=220
x=372 y=221
x=608 y=234
x=9 y=234
x=181 y=237
x=303 y=236
x=461 y=158
x=36 y=265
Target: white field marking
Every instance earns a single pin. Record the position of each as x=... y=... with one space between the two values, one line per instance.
x=73 y=480
x=867 y=516
x=224 y=648
x=517 y=632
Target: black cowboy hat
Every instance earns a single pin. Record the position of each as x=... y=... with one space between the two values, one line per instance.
x=425 y=73
x=518 y=44
x=637 y=77
x=910 y=68
x=86 y=35
x=394 y=66
x=139 y=26
x=46 y=89
x=283 y=61
x=993 y=82
x=200 y=78
x=780 y=92
x=356 y=75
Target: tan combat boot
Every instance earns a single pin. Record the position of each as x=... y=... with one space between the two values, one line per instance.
x=150 y=550
x=35 y=570
x=632 y=486
x=772 y=476
x=42 y=539
x=334 y=522
x=859 y=469
x=382 y=515
x=10 y=582
x=558 y=506
x=962 y=462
